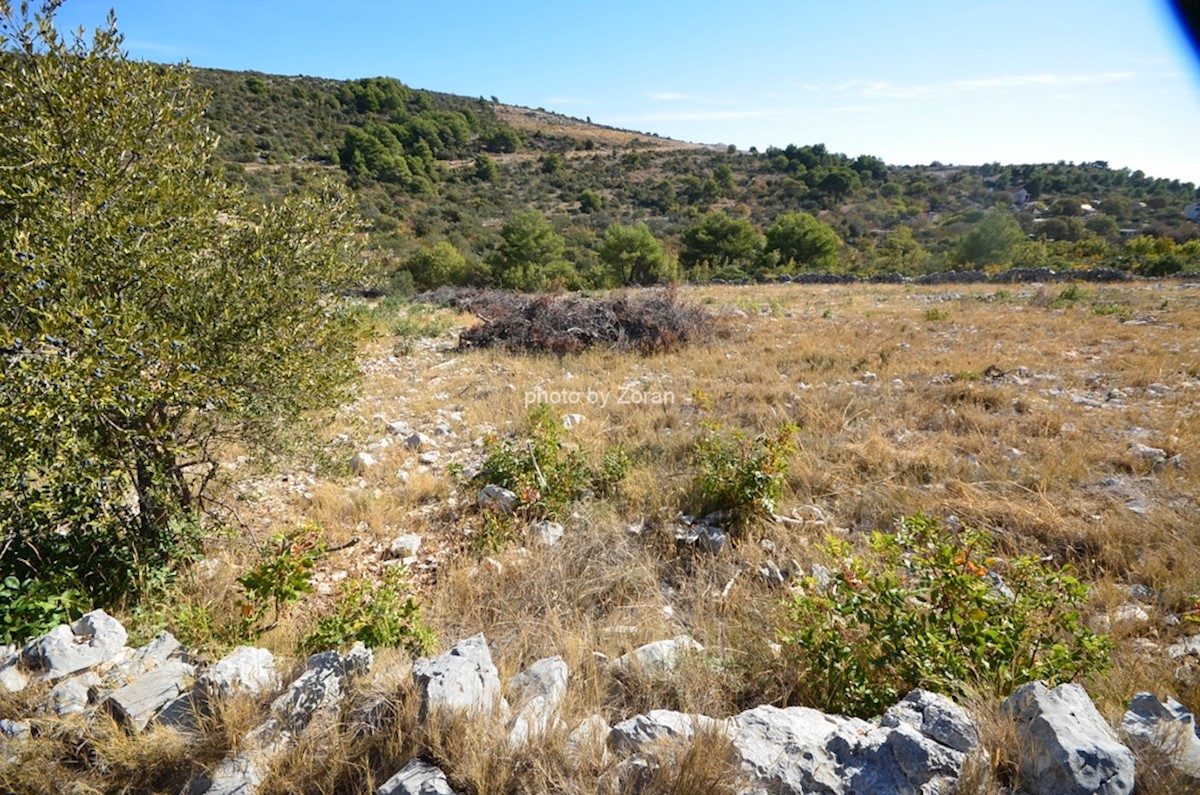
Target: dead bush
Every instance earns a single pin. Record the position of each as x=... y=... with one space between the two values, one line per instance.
x=644 y=322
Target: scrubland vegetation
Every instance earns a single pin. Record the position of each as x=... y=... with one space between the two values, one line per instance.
x=214 y=423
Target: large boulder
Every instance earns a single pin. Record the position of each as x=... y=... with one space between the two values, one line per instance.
x=1072 y=750
x=919 y=746
x=94 y=638
x=1165 y=732
x=135 y=704
x=461 y=680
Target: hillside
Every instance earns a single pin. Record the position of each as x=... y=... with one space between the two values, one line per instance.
x=430 y=167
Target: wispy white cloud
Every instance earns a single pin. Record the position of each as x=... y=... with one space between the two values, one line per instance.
x=137 y=45
x=699 y=115
x=885 y=89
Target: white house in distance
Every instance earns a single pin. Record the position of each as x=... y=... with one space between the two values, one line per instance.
x=1192 y=211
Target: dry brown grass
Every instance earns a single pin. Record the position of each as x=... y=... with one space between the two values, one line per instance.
x=898 y=412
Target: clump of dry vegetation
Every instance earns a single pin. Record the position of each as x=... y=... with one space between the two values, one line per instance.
x=565 y=324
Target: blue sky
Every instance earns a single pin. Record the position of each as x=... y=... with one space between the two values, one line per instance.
x=968 y=82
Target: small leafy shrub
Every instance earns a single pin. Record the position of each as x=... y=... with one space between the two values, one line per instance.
x=545 y=475
x=498 y=530
x=1071 y=294
x=741 y=474
x=378 y=613
x=29 y=608
x=1119 y=311
x=924 y=610
x=281 y=577
x=614 y=468
x=934 y=314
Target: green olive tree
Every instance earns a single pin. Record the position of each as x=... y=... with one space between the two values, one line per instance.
x=149 y=314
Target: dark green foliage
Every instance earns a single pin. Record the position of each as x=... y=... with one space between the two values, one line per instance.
x=634 y=256
x=33 y=607
x=148 y=313
x=282 y=575
x=992 y=241
x=801 y=241
x=925 y=608
x=502 y=139
x=720 y=245
x=442 y=263
x=531 y=255
x=485 y=168
x=590 y=201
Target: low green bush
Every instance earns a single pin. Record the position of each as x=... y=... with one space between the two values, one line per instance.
x=546 y=475
x=282 y=575
x=380 y=613
x=741 y=474
x=29 y=608
x=925 y=609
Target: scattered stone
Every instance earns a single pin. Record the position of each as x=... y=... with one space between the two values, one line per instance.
x=660 y=656
x=461 y=680
x=592 y=733
x=316 y=693
x=630 y=736
x=1187 y=647
x=546 y=678
x=12 y=678
x=419 y=441
x=404 y=546
x=1166 y=730
x=702 y=536
x=361 y=462
x=245 y=670
x=1072 y=751
x=135 y=704
x=1154 y=455
x=536 y=694
x=321 y=687
x=157 y=652
x=417 y=778
x=1130 y=614
x=70 y=696
x=15 y=729
x=546 y=533
x=94 y=638
x=936 y=717
x=570 y=421
x=496 y=498
x=1141 y=593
